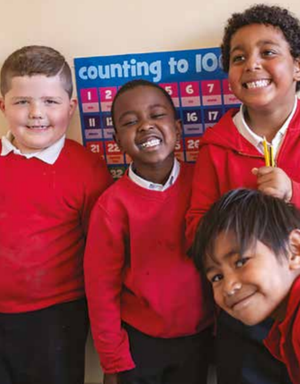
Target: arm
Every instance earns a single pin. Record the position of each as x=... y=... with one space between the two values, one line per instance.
x=103 y=267
x=205 y=191
x=97 y=179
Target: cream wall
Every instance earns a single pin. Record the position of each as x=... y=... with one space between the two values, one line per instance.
x=98 y=27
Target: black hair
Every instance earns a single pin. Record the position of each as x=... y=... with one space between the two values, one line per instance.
x=250 y=216
x=276 y=16
x=139 y=83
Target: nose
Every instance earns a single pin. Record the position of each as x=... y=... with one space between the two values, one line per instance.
x=146 y=124
x=231 y=285
x=253 y=63
x=36 y=111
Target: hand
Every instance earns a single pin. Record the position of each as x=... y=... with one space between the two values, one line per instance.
x=274 y=181
x=110 y=378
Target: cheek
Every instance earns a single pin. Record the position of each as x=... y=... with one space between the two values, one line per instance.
x=218 y=296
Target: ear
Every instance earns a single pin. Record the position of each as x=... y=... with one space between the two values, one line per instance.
x=117 y=140
x=2 y=105
x=178 y=127
x=297 y=69
x=73 y=106
x=294 y=247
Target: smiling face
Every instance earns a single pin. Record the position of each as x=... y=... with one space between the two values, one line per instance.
x=38 y=111
x=146 y=128
x=262 y=71
x=252 y=286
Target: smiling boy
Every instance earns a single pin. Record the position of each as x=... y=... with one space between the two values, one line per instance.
x=261 y=53
x=150 y=316
x=48 y=185
x=254 y=266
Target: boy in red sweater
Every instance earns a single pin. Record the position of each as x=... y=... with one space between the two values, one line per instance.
x=254 y=266
x=150 y=316
x=261 y=52
x=48 y=185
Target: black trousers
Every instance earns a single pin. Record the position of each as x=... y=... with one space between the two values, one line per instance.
x=182 y=360
x=241 y=357
x=45 y=346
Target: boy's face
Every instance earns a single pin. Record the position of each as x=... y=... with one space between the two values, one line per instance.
x=262 y=71
x=252 y=286
x=146 y=128
x=38 y=111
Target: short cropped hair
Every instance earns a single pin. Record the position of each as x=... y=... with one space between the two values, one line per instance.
x=250 y=216
x=276 y=16
x=36 y=60
x=139 y=83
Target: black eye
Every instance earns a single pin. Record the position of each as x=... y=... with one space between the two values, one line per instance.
x=238 y=59
x=216 y=278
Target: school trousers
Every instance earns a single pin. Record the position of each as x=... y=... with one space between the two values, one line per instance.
x=241 y=357
x=180 y=360
x=45 y=346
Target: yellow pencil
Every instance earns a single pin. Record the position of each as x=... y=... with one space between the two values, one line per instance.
x=272 y=156
x=266 y=152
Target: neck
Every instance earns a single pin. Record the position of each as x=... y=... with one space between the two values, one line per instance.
x=267 y=123
x=155 y=173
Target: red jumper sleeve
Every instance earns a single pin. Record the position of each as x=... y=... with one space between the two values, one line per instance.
x=103 y=266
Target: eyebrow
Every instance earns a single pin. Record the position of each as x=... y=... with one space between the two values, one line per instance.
x=260 y=42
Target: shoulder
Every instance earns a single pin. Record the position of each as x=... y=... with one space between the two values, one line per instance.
x=77 y=156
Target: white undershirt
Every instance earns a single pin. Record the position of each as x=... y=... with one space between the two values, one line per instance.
x=154 y=186
x=256 y=140
x=48 y=155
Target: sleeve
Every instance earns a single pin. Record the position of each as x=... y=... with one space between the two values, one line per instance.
x=97 y=179
x=205 y=191
x=103 y=267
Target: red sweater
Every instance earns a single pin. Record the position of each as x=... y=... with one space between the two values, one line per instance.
x=225 y=162
x=44 y=213
x=136 y=269
x=283 y=340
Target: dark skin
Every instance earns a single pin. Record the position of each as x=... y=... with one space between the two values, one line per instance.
x=147 y=130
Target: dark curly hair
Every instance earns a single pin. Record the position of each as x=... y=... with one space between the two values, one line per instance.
x=263 y=14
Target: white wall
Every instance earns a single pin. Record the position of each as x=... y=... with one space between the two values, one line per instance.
x=97 y=27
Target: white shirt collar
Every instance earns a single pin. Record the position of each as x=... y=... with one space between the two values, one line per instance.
x=48 y=155
x=256 y=140
x=153 y=186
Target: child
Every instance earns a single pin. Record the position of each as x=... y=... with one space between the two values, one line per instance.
x=150 y=317
x=254 y=265
x=48 y=185
x=261 y=52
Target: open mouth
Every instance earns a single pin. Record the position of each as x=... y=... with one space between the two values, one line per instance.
x=257 y=84
x=150 y=143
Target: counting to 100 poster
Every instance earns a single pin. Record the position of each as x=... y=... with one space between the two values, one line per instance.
x=194 y=79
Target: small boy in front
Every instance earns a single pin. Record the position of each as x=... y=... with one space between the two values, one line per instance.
x=48 y=185
x=150 y=316
x=261 y=53
x=248 y=245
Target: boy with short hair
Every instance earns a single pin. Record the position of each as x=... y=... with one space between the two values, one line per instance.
x=48 y=185
x=261 y=53
x=150 y=316
x=253 y=265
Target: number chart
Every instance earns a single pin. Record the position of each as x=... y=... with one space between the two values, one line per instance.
x=193 y=78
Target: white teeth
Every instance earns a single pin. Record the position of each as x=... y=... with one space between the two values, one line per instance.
x=258 y=84
x=150 y=143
